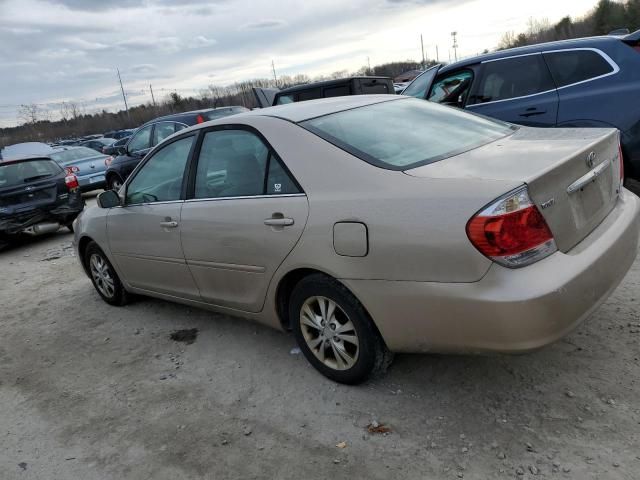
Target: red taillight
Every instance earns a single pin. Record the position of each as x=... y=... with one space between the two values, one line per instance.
x=512 y=231
x=71 y=170
x=199 y=119
x=107 y=161
x=71 y=181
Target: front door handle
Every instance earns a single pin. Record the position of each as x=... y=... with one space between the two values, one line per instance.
x=279 y=222
x=168 y=224
x=533 y=113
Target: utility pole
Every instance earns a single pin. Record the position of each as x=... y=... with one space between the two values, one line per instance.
x=153 y=99
x=437 y=55
x=369 y=66
x=275 y=77
x=422 y=45
x=455 y=44
x=124 y=97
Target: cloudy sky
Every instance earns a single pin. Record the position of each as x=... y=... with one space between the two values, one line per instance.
x=56 y=50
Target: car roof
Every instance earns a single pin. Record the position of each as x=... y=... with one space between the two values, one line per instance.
x=586 y=42
x=301 y=111
x=183 y=115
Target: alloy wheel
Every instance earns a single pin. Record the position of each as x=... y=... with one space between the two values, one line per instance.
x=329 y=333
x=102 y=276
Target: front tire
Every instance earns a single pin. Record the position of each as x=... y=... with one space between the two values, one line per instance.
x=104 y=277
x=334 y=331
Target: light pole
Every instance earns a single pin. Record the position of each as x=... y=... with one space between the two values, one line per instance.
x=455 y=44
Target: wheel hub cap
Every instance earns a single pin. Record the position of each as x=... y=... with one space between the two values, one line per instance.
x=101 y=274
x=329 y=333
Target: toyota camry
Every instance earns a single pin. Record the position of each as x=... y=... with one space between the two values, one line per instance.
x=368 y=225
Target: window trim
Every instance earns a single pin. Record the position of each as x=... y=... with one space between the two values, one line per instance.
x=146 y=160
x=193 y=164
x=607 y=58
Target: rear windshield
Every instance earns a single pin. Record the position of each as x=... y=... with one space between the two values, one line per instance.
x=14 y=174
x=72 y=154
x=403 y=134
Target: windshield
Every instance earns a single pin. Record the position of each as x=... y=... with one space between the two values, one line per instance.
x=13 y=174
x=403 y=134
x=72 y=154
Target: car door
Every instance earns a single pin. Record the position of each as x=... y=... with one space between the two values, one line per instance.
x=516 y=89
x=137 y=147
x=144 y=234
x=245 y=216
x=588 y=97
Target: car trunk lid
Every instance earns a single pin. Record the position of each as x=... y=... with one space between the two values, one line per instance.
x=27 y=197
x=573 y=175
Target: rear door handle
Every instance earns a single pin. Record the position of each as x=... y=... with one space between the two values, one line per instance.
x=279 y=222
x=169 y=224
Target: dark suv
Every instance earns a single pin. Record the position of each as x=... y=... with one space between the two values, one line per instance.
x=588 y=82
x=267 y=97
x=151 y=134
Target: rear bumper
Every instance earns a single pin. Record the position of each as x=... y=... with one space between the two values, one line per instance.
x=61 y=213
x=508 y=310
x=93 y=181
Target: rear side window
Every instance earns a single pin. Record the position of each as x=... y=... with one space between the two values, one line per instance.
x=513 y=78
x=339 y=91
x=574 y=66
x=403 y=134
x=370 y=87
x=14 y=174
x=310 y=94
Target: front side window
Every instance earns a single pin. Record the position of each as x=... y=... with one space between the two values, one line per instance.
x=140 y=141
x=418 y=88
x=162 y=131
x=283 y=99
x=234 y=163
x=406 y=133
x=513 y=78
x=160 y=178
x=452 y=89
x=574 y=66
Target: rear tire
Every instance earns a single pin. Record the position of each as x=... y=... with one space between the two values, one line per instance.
x=114 y=183
x=104 y=277
x=334 y=331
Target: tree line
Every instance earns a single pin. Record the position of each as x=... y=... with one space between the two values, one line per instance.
x=607 y=16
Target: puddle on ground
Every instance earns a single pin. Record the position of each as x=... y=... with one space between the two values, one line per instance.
x=187 y=336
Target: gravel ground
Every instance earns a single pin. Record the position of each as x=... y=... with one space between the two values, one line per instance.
x=90 y=391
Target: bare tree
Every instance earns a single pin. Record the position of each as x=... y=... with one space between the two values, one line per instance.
x=29 y=114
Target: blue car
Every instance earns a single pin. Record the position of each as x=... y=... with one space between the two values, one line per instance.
x=588 y=82
x=85 y=163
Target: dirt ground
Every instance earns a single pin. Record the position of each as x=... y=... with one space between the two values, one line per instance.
x=89 y=391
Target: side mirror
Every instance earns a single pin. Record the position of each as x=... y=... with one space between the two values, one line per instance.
x=108 y=199
x=122 y=150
